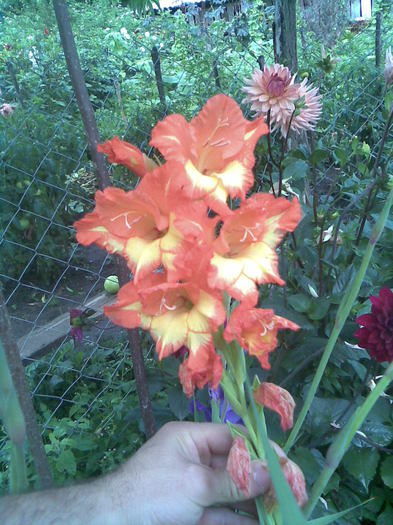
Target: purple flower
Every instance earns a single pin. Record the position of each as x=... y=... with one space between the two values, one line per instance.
x=376 y=332
x=76 y=323
x=225 y=411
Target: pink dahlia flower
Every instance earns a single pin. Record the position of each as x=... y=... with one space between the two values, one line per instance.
x=6 y=109
x=272 y=89
x=308 y=110
x=376 y=332
x=291 y=105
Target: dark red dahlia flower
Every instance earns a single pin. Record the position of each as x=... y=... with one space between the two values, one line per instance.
x=376 y=332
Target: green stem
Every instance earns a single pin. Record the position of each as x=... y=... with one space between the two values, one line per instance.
x=14 y=423
x=343 y=440
x=18 y=478
x=341 y=317
x=215 y=406
x=237 y=364
x=287 y=502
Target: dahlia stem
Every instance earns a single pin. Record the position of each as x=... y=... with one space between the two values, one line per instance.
x=341 y=317
x=375 y=176
x=340 y=445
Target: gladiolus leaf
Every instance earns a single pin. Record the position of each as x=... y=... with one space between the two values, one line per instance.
x=325 y=520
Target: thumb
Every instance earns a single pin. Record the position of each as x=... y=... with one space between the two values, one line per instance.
x=223 y=490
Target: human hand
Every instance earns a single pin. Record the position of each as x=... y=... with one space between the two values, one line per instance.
x=179 y=477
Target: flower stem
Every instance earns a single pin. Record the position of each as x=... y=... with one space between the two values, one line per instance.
x=18 y=476
x=14 y=423
x=368 y=205
x=340 y=445
x=341 y=316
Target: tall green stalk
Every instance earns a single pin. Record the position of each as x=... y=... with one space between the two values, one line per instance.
x=340 y=445
x=341 y=317
x=14 y=423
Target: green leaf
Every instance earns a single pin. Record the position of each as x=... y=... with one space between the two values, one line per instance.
x=310 y=461
x=318 y=155
x=344 y=280
x=66 y=462
x=387 y=472
x=178 y=403
x=380 y=433
x=360 y=369
x=325 y=520
x=386 y=518
x=388 y=100
x=296 y=169
x=362 y=464
x=300 y=302
x=341 y=156
x=319 y=308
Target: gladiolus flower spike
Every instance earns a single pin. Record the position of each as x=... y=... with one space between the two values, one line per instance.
x=182 y=257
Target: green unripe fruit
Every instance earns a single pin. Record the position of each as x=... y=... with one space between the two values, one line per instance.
x=111 y=284
x=24 y=223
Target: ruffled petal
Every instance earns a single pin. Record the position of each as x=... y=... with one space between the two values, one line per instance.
x=256 y=330
x=121 y=152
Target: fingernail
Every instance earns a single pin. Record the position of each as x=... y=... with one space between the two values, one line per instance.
x=260 y=476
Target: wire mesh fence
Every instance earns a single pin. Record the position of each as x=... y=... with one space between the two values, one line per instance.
x=47 y=182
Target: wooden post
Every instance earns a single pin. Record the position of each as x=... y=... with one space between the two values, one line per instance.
x=378 y=39
x=216 y=75
x=18 y=376
x=284 y=34
x=90 y=125
x=261 y=62
x=157 y=72
x=11 y=71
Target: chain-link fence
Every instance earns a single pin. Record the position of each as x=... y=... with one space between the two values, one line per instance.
x=87 y=388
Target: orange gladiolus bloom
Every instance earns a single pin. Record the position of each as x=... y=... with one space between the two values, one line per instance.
x=176 y=314
x=121 y=152
x=215 y=148
x=256 y=330
x=245 y=249
x=182 y=258
x=142 y=225
x=199 y=369
x=278 y=399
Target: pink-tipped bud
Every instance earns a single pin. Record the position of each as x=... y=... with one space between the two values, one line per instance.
x=296 y=481
x=239 y=465
x=278 y=399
